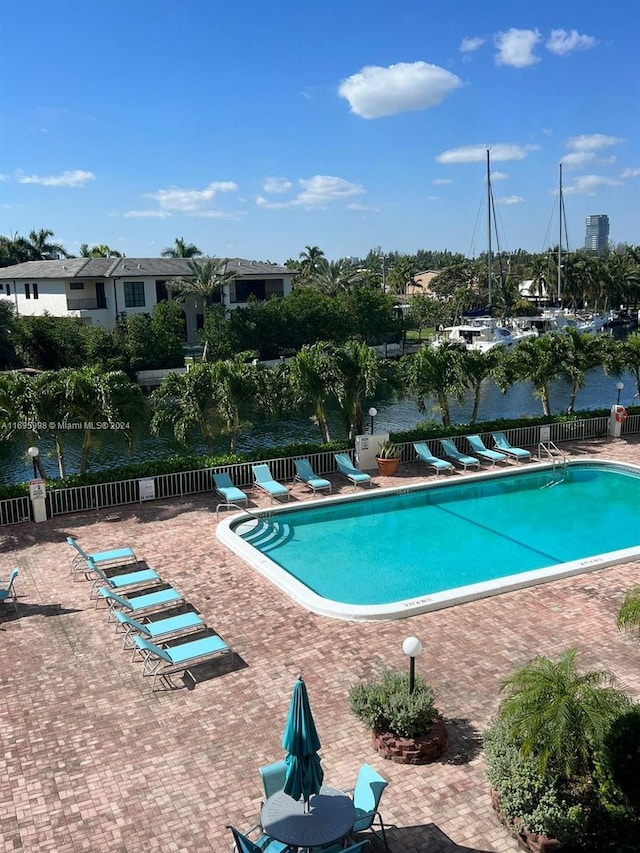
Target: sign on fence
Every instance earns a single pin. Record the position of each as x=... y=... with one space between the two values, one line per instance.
x=37 y=490
x=545 y=434
x=147 y=488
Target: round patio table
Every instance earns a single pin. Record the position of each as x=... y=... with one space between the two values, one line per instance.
x=330 y=817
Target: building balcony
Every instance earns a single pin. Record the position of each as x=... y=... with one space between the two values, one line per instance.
x=87 y=304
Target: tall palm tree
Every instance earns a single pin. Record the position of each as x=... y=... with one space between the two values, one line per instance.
x=41 y=245
x=334 y=277
x=99 y=251
x=358 y=373
x=206 y=281
x=559 y=716
x=436 y=372
x=312 y=260
x=581 y=353
x=186 y=402
x=313 y=376
x=236 y=387
x=18 y=406
x=628 y=618
x=539 y=361
x=477 y=367
x=181 y=250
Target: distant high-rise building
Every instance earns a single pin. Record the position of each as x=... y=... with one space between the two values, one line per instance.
x=597 y=236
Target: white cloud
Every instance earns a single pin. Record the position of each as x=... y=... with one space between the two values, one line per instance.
x=75 y=178
x=363 y=208
x=562 y=42
x=511 y=199
x=592 y=142
x=276 y=185
x=471 y=43
x=588 y=184
x=515 y=47
x=376 y=91
x=147 y=214
x=578 y=158
x=192 y=201
x=318 y=191
x=438 y=182
x=478 y=153
x=630 y=173
x=498 y=176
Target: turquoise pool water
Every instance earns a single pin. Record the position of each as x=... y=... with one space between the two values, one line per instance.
x=386 y=548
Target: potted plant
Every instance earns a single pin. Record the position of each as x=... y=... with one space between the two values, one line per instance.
x=388 y=457
x=406 y=727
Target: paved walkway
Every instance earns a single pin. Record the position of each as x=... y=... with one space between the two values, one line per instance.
x=93 y=760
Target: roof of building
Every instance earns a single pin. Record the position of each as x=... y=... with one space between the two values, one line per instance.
x=128 y=267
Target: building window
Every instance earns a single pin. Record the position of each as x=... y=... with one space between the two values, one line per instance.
x=8 y=289
x=134 y=294
x=1 y=286
x=76 y=285
x=35 y=289
x=258 y=288
x=27 y=290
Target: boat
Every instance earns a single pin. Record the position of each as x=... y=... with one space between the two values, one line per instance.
x=479 y=334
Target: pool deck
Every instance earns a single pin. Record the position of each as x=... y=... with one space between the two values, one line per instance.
x=92 y=760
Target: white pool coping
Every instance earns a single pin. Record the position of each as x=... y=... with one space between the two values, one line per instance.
x=436 y=601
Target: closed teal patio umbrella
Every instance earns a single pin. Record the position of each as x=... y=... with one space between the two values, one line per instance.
x=300 y=739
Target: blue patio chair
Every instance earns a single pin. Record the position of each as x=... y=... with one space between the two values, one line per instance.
x=114 y=557
x=503 y=444
x=9 y=592
x=273 y=777
x=369 y=788
x=452 y=452
x=230 y=493
x=140 y=603
x=346 y=467
x=157 y=629
x=426 y=456
x=480 y=449
x=178 y=658
x=264 y=844
x=353 y=848
x=146 y=577
x=264 y=480
x=306 y=474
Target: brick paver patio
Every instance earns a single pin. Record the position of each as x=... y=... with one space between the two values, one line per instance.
x=93 y=760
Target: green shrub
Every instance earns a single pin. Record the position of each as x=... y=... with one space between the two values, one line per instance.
x=387 y=706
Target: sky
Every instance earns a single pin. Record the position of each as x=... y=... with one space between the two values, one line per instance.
x=254 y=128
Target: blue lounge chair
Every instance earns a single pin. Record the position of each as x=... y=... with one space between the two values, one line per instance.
x=426 y=456
x=115 y=557
x=263 y=844
x=346 y=467
x=158 y=628
x=264 y=480
x=306 y=474
x=369 y=788
x=478 y=446
x=139 y=603
x=146 y=577
x=452 y=452
x=504 y=446
x=178 y=658
x=9 y=592
x=230 y=493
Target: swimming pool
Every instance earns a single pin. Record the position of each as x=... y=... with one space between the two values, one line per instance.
x=396 y=552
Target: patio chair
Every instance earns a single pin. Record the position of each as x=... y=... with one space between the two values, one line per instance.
x=503 y=444
x=147 y=577
x=366 y=800
x=178 y=658
x=264 y=480
x=426 y=456
x=230 y=493
x=273 y=776
x=346 y=467
x=157 y=629
x=9 y=592
x=306 y=474
x=264 y=844
x=452 y=452
x=478 y=446
x=353 y=848
x=115 y=557
x=140 y=603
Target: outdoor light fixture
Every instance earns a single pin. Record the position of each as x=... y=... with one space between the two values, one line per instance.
x=372 y=413
x=34 y=453
x=412 y=647
x=619 y=386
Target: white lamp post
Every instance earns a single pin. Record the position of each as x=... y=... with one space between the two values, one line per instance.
x=34 y=453
x=372 y=413
x=412 y=647
x=619 y=387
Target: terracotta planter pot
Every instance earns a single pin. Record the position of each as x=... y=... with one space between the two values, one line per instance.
x=420 y=750
x=387 y=467
x=532 y=841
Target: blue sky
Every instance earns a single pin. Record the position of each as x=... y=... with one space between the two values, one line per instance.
x=255 y=127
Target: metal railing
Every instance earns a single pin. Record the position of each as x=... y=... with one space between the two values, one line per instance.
x=181 y=484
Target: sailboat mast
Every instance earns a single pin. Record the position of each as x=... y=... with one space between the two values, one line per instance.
x=560 y=217
x=489 y=257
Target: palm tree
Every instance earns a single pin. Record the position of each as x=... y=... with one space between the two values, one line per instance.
x=477 y=367
x=558 y=716
x=41 y=246
x=186 y=402
x=628 y=618
x=236 y=386
x=52 y=406
x=100 y=251
x=581 y=353
x=436 y=372
x=312 y=261
x=358 y=372
x=631 y=357
x=313 y=376
x=334 y=277
x=18 y=406
x=181 y=250
x=539 y=361
x=207 y=281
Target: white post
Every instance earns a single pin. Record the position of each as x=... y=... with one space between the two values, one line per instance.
x=38 y=495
